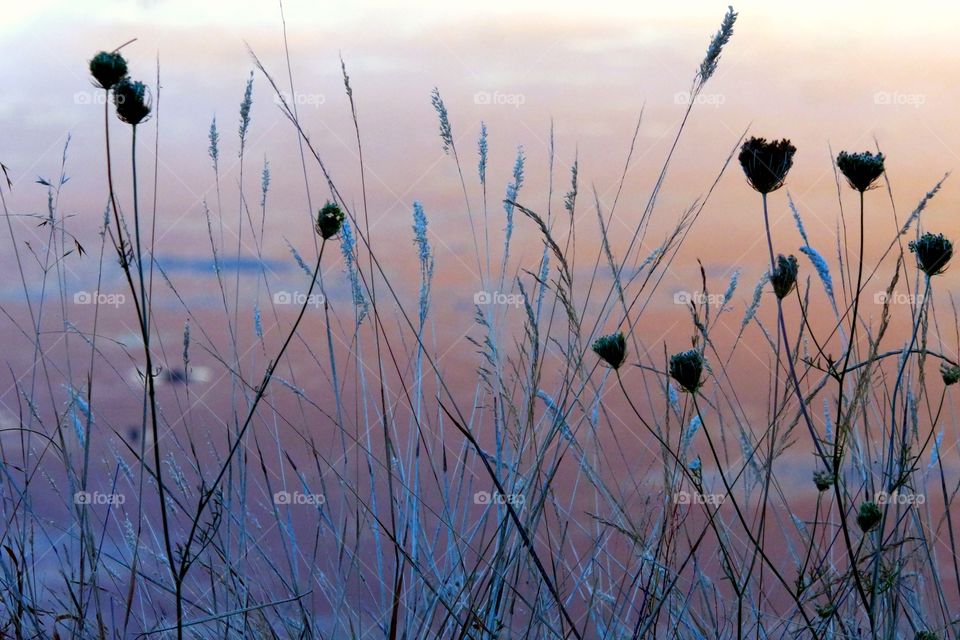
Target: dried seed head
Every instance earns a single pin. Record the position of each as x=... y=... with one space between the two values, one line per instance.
x=869 y=516
x=784 y=276
x=766 y=164
x=933 y=253
x=860 y=169
x=329 y=220
x=108 y=69
x=612 y=349
x=823 y=480
x=132 y=101
x=687 y=368
x=950 y=373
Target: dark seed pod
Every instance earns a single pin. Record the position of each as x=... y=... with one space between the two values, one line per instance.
x=869 y=516
x=860 y=169
x=612 y=349
x=766 y=164
x=329 y=220
x=950 y=373
x=132 y=101
x=687 y=368
x=823 y=480
x=108 y=69
x=784 y=276
x=933 y=253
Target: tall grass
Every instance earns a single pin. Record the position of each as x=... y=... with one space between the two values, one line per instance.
x=590 y=482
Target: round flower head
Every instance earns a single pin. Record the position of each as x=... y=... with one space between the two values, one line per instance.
x=612 y=349
x=823 y=480
x=108 y=69
x=933 y=253
x=950 y=373
x=766 y=164
x=860 y=169
x=926 y=635
x=869 y=516
x=329 y=220
x=784 y=276
x=686 y=368
x=131 y=100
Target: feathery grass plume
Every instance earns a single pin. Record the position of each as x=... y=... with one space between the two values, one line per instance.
x=264 y=183
x=245 y=112
x=950 y=373
x=348 y=244
x=482 y=152
x=108 y=69
x=425 y=257
x=784 y=276
x=513 y=189
x=933 y=253
x=712 y=58
x=935 y=453
x=329 y=220
x=186 y=342
x=446 y=132
x=823 y=270
x=612 y=349
x=823 y=480
x=798 y=220
x=731 y=288
x=257 y=320
x=695 y=424
x=570 y=199
x=766 y=164
x=687 y=368
x=300 y=262
x=869 y=516
x=132 y=100
x=673 y=397
x=755 y=301
x=214 y=149
x=860 y=169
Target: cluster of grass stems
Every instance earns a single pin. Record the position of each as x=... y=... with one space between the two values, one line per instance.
x=399 y=545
